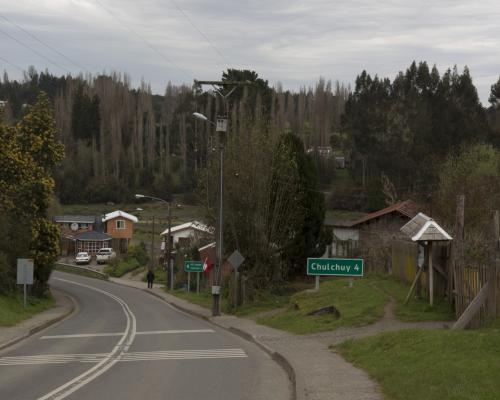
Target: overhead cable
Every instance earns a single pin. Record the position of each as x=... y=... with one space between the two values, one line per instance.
x=44 y=44
x=200 y=32
x=36 y=52
x=184 y=72
x=11 y=64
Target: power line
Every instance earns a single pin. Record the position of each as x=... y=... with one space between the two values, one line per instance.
x=12 y=64
x=36 y=52
x=200 y=32
x=184 y=72
x=43 y=43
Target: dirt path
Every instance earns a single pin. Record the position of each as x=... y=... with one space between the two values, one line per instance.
x=388 y=323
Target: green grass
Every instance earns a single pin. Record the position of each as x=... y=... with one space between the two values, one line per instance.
x=431 y=365
x=79 y=271
x=203 y=299
x=12 y=310
x=264 y=302
x=362 y=304
x=344 y=215
x=121 y=267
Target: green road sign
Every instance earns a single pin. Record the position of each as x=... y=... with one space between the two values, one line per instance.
x=193 y=266
x=335 y=266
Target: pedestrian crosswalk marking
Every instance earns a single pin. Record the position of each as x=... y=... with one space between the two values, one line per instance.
x=166 y=332
x=132 y=356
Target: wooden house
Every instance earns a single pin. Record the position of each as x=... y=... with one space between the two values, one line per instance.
x=371 y=235
x=119 y=225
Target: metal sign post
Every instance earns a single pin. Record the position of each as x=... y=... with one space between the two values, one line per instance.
x=24 y=274
x=197 y=282
x=236 y=259
x=193 y=266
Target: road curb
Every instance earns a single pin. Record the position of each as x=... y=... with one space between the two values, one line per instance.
x=279 y=358
x=44 y=324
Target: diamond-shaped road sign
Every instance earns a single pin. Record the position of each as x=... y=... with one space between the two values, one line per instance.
x=236 y=259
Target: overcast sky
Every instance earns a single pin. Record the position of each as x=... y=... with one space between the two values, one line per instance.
x=287 y=41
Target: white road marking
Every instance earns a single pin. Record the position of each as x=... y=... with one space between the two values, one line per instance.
x=85 y=335
x=171 y=331
x=82 y=335
x=133 y=356
x=109 y=360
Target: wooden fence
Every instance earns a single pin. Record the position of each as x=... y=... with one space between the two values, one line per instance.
x=468 y=282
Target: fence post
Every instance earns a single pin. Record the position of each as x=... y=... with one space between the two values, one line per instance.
x=457 y=245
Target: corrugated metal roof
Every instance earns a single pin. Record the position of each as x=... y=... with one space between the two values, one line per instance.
x=406 y=208
x=84 y=219
x=93 y=236
x=190 y=225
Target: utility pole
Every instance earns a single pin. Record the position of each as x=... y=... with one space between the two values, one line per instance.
x=152 y=264
x=221 y=128
x=169 y=249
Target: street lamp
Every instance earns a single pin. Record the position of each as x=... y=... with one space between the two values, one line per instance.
x=221 y=127
x=170 y=267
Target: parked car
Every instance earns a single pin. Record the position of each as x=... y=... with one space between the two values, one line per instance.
x=104 y=255
x=83 y=258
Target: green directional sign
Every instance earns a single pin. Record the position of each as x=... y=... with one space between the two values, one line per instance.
x=193 y=266
x=335 y=266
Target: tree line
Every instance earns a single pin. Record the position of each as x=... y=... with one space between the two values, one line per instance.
x=120 y=140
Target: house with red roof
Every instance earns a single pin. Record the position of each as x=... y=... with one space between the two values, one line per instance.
x=371 y=235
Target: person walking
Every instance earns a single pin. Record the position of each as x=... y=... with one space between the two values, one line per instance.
x=150 y=278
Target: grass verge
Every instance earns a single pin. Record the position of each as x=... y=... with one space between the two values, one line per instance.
x=359 y=305
x=431 y=365
x=79 y=271
x=121 y=267
x=12 y=310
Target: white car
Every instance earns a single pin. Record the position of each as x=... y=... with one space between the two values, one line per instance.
x=83 y=258
x=104 y=255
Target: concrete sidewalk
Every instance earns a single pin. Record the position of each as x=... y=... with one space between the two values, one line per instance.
x=316 y=372
x=13 y=334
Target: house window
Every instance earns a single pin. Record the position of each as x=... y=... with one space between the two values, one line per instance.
x=83 y=226
x=120 y=224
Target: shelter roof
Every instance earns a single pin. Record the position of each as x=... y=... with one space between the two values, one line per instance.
x=119 y=213
x=424 y=228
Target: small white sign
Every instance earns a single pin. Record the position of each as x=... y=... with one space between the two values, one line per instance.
x=215 y=289
x=24 y=271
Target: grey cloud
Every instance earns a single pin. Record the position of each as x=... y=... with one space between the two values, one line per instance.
x=283 y=40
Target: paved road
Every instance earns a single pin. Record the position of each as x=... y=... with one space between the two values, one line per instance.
x=125 y=344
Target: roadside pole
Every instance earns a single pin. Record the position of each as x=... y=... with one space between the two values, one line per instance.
x=24 y=274
x=317 y=283
x=236 y=259
x=193 y=266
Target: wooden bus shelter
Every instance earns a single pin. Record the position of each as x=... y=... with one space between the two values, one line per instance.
x=425 y=230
